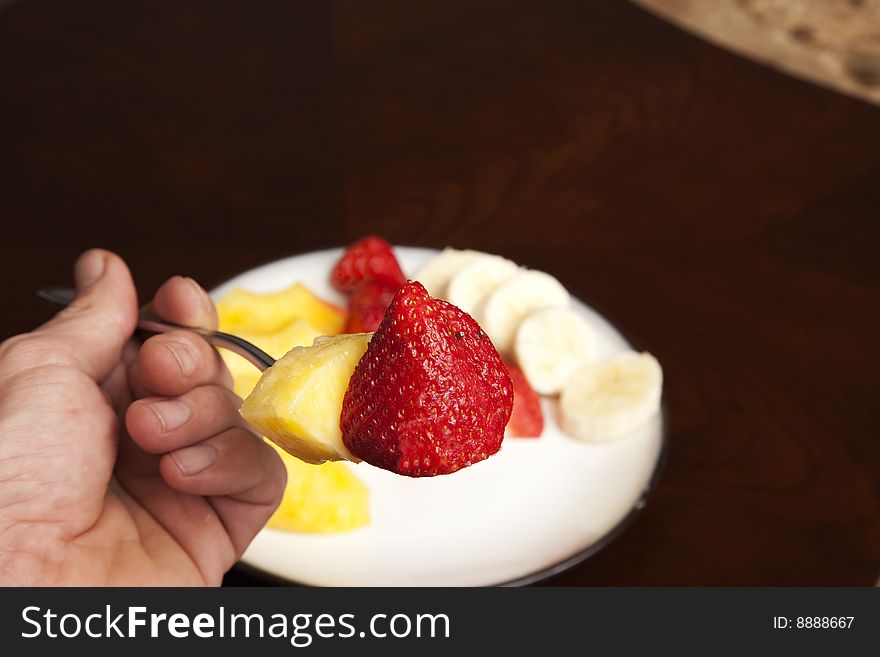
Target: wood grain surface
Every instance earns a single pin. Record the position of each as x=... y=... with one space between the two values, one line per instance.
x=830 y=42
x=722 y=215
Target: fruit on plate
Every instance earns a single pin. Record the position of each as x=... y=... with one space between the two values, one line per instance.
x=297 y=333
x=297 y=402
x=514 y=299
x=526 y=420
x=368 y=271
x=244 y=311
x=368 y=304
x=325 y=498
x=551 y=344
x=440 y=269
x=527 y=315
x=368 y=259
x=604 y=401
x=321 y=499
x=430 y=395
x=469 y=288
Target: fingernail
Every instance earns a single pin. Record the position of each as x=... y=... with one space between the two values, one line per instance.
x=194 y=459
x=207 y=304
x=89 y=268
x=172 y=413
x=185 y=355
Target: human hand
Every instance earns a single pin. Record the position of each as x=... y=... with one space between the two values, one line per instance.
x=123 y=464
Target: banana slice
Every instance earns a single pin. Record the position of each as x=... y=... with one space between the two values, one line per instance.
x=550 y=345
x=604 y=401
x=513 y=300
x=438 y=271
x=475 y=281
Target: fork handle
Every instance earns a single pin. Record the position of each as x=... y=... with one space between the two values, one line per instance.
x=61 y=297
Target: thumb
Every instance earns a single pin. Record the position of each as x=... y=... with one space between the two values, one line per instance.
x=95 y=327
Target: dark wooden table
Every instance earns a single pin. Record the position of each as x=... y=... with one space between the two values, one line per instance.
x=724 y=216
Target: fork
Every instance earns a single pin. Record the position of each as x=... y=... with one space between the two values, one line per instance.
x=61 y=297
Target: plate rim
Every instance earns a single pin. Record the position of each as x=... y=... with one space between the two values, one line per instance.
x=617 y=530
x=542 y=574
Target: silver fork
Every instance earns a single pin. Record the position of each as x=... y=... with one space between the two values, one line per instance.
x=61 y=297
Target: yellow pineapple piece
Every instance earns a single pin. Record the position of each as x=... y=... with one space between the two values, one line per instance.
x=241 y=310
x=297 y=402
x=324 y=498
x=297 y=333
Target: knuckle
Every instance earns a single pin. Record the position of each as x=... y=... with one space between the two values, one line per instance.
x=32 y=349
x=229 y=397
x=180 y=335
x=224 y=375
x=224 y=404
x=177 y=346
x=173 y=337
x=279 y=479
x=112 y=319
x=275 y=469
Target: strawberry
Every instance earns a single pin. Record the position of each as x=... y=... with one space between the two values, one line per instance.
x=368 y=259
x=526 y=421
x=430 y=395
x=367 y=306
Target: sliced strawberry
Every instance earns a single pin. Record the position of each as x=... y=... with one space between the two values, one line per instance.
x=367 y=306
x=368 y=259
x=526 y=420
x=430 y=395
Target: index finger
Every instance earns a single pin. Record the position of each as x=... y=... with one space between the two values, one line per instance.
x=183 y=301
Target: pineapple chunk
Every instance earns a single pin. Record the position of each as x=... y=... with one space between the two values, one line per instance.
x=241 y=311
x=323 y=499
x=298 y=333
x=298 y=401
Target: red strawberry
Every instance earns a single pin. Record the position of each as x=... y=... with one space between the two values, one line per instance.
x=367 y=306
x=527 y=420
x=368 y=259
x=430 y=395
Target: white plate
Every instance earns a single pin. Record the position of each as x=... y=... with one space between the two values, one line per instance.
x=533 y=509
